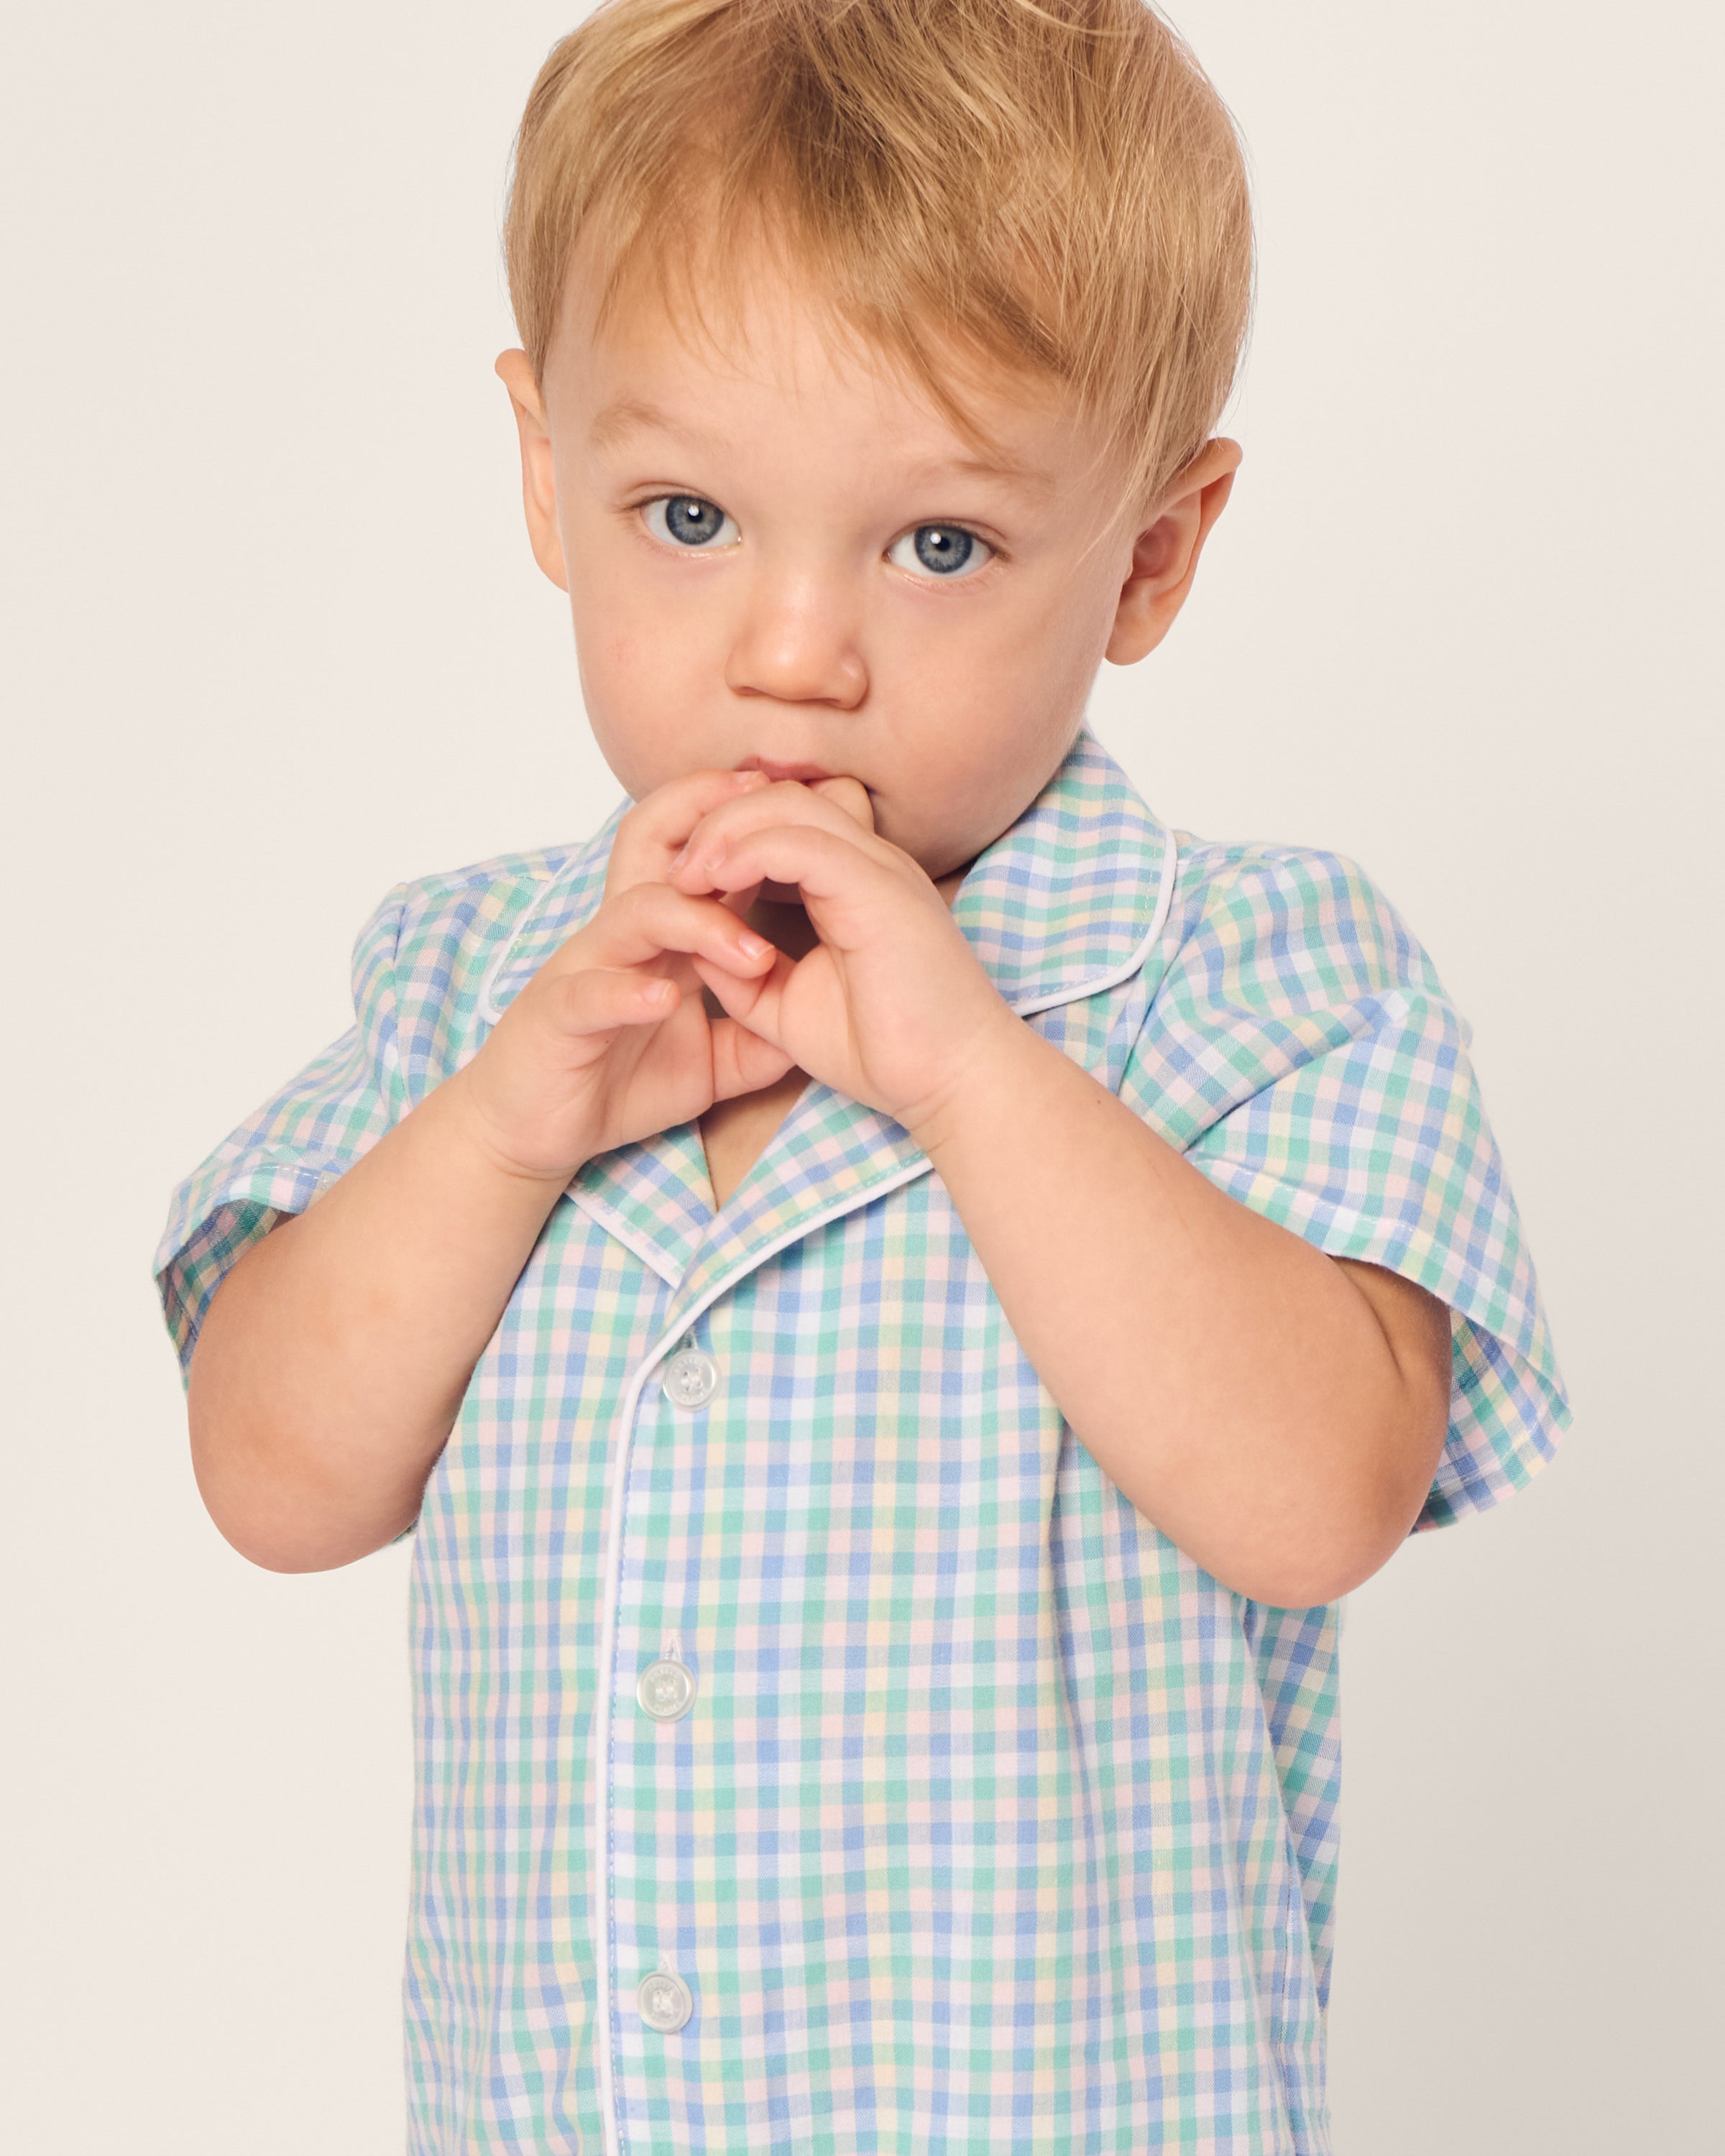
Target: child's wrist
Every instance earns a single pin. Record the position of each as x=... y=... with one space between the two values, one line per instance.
x=474 y=1131
x=995 y=1066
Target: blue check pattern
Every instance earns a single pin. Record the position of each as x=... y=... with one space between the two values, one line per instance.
x=996 y=1823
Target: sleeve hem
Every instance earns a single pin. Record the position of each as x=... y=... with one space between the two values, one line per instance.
x=215 y=1230
x=1508 y=1407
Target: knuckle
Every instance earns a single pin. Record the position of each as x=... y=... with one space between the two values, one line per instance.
x=637 y=906
x=633 y=828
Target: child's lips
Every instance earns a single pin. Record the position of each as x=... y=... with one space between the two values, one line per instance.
x=807 y=774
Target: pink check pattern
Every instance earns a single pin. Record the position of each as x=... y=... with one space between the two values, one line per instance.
x=996 y=1823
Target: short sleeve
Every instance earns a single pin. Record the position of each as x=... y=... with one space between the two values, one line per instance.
x=1300 y=1049
x=301 y=1139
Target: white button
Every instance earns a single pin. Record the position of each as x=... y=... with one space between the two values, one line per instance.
x=690 y=1378
x=666 y=1690
x=664 y=2000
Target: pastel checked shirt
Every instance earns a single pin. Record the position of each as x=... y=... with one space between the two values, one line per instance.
x=816 y=1752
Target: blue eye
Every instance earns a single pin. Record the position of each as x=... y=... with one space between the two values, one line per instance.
x=686 y=519
x=946 y=550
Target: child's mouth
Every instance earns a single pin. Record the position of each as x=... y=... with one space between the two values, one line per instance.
x=807 y=774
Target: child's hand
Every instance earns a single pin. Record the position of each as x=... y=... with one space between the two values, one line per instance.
x=609 y=1041
x=892 y=1006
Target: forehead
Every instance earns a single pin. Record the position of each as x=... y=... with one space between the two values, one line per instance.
x=630 y=415
x=678 y=350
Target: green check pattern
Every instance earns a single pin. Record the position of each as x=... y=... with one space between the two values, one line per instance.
x=996 y=1823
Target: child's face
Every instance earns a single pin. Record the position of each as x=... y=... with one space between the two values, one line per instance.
x=851 y=594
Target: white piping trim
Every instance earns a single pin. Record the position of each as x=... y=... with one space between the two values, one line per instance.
x=488 y=1013
x=600 y=1805
x=637 y=1246
x=487 y=1008
x=1164 y=904
x=599 y=1815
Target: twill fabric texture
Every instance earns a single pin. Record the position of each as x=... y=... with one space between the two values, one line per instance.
x=994 y=1822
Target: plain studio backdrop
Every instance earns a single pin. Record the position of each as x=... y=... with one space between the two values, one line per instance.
x=275 y=641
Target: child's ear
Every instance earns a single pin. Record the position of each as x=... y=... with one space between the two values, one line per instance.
x=539 y=483
x=1166 y=550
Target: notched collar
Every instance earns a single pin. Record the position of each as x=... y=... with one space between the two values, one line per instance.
x=1061 y=905
x=1067 y=903
x=568 y=896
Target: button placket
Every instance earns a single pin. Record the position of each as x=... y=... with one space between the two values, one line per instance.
x=666 y=1688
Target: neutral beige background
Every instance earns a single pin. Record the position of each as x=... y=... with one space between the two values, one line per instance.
x=275 y=641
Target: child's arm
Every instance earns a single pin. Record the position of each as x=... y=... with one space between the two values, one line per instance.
x=333 y=1356
x=1277 y=1412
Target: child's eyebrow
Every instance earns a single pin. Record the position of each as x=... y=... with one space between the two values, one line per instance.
x=1022 y=478
x=629 y=415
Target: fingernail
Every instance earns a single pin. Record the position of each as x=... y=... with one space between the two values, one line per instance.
x=754 y=946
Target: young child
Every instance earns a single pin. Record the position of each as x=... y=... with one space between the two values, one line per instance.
x=895 y=1292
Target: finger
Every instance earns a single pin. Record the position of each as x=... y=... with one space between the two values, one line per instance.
x=753 y=1002
x=743 y=1061
x=598 y=1000
x=650 y=921
x=788 y=802
x=823 y=865
x=739 y=901
x=660 y=822
x=851 y=795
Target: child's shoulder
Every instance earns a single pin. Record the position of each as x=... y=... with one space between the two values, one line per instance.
x=1216 y=867
x=506 y=876
x=479 y=901
x=436 y=948
x=1258 y=905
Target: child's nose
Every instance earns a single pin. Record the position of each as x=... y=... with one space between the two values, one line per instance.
x=798 y=642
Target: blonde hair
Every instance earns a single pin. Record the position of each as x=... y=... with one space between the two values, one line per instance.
x=1052 y=186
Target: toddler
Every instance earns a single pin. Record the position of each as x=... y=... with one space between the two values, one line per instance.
x=894 y=1291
